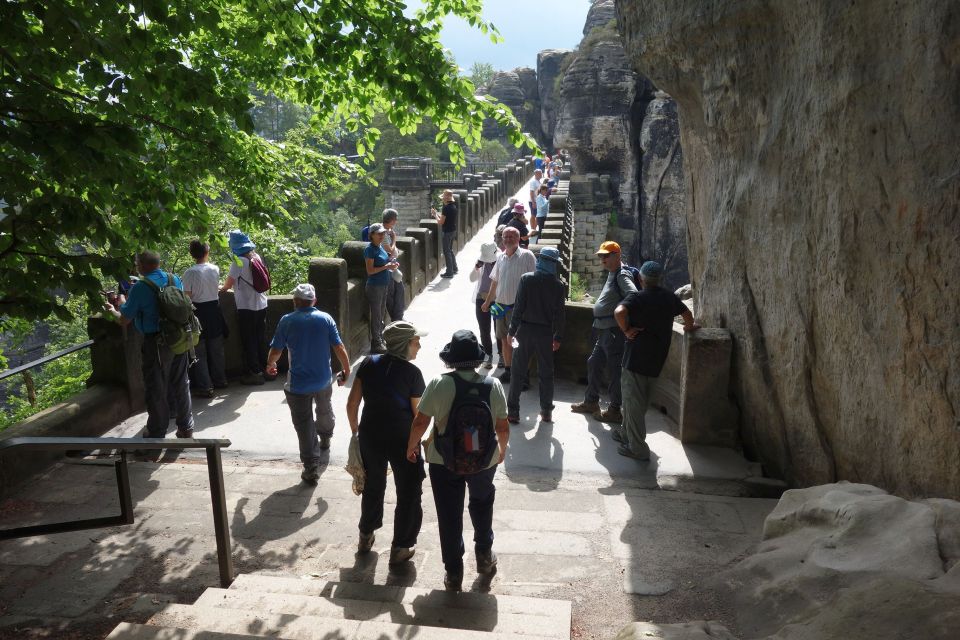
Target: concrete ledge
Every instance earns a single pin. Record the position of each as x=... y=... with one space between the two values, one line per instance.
x=89 y=414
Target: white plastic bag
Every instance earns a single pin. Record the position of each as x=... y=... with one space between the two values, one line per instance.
x=355 y=465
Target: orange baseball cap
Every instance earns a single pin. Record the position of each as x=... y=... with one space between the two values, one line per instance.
x=608 y=247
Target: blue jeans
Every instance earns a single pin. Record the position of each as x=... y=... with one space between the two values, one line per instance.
x=448 y=492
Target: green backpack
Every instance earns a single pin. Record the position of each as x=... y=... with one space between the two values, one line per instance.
x=179 y=327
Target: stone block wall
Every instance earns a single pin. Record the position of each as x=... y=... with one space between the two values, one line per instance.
x=411 y=206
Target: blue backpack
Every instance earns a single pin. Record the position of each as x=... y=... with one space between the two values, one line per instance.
x=468 y=441
x=365 y=233
x=634 y=274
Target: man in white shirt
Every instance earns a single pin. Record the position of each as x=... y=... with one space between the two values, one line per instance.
x=534 y=187
x=202 y=283
x=504 y=282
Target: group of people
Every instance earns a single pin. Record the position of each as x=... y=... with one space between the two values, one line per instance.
x=517 y=296
x=169 y=377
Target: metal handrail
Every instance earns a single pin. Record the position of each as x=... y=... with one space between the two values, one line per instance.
x=123 y=445
x=44 y=360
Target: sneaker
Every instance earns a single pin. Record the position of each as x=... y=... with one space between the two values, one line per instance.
x=585 y=407
x=310 y=475
x=453 y=581
x=618 y=436
x=513 y=419
x=611 y=415
x=399 y=555
x=447 y=275
x=546 y=416
x=625 y=450
x=486 y=562
x=365 y=542
x=505 y=376
x=184 y=433
x=324 y=443
x=252 y=379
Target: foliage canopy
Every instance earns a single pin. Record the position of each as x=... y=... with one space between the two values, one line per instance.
x=123 y=124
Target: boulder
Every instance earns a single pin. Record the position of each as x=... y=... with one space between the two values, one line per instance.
x=850 y=561
x=549 y=65
x=823 y=207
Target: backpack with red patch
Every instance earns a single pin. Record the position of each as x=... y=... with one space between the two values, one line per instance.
x=469 y=441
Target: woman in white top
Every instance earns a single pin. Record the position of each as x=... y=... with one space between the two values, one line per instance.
x=202 y=283
x=481 y=275
x=251 y=309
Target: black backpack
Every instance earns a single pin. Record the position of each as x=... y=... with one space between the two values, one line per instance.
x=469 y=440
x=634 y=274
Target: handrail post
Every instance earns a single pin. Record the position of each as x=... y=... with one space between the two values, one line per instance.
x=123 y=489
x=220 y=527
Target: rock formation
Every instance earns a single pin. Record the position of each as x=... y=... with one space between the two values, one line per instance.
x=518 y=90
x=549 y=64
x=851 y=561
x=822 y=198
x=613 y=124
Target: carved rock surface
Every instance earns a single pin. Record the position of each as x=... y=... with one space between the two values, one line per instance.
x=549 y=63
x=850 y=561
x=663 y=221
x=823 y=184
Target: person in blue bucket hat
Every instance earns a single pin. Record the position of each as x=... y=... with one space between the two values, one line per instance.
x=537 y=324
x=251 y=307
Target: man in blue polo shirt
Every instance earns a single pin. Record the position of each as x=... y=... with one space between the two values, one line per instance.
x=165 y=383
x=308 y=334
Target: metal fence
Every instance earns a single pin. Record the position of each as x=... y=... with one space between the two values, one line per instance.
x=449 y=172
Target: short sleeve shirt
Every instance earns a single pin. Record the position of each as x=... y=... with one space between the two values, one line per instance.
x=534 y=185
x=438 y=399
x=245 y=295
x=652 y=310
x=388 y=383
x=141 y=305
x=507 y=271
x=202 y=282
x=380 y=258
x=307 y=334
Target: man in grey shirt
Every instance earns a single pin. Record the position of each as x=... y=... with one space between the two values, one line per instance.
x=607 y=352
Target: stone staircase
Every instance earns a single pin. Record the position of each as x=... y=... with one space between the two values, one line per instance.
x=301 y=609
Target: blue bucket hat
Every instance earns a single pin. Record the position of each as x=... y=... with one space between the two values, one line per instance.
x=550 y=253
x=240 y=243
x=651 y=269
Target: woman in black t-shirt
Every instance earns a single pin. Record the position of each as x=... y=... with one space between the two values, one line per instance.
x=389 y=386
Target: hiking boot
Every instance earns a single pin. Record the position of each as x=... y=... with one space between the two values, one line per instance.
x=486 y=562
x=618 y=436
x=252 y=379
x=447 y=275
x=513 y=419
x=201 y=393
x=505 y=376
x=324 y=443
x=585 y=407
x=625 y=450
x=400 y=555
x=310 y=475
x=611 y=415
x=365 y=542
x=546 y=416
x=184 y=433
x=500 y=363
x=488 y=362
x=453 y=581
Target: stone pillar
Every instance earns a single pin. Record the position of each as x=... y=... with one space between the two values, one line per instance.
x=434 y=228
x=329 y=277
x=706 y=414
x=115 y=358
x=426 y=241
x=406 y=188
x=411 y=264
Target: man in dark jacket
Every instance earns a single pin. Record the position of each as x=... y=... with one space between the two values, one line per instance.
x=646 y=319
x=447 y=217
x=537 y=323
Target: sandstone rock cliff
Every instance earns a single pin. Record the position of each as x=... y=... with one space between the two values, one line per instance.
x=549 y=63
x=518 y=90
x=823 y=195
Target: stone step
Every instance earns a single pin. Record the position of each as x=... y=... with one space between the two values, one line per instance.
x=426 y=608
x=559 y=609
x=130 y=631
x=295 y=627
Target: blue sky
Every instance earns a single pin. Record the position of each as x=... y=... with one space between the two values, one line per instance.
x=527 y=27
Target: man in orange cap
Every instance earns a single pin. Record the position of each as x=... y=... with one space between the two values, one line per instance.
x=607 y=355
